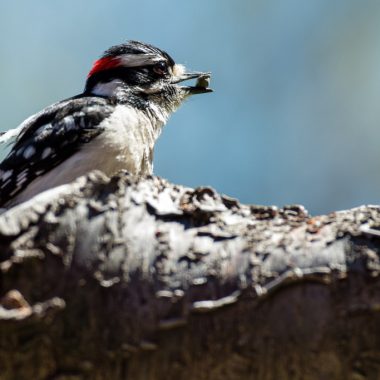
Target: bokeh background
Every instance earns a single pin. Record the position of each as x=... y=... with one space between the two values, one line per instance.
x=295 y=116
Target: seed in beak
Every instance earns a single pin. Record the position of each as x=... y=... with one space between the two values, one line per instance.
x=203 y=81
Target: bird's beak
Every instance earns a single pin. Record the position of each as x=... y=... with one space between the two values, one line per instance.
x=201 y=85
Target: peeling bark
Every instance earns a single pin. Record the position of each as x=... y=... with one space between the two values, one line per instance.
x=143 y=279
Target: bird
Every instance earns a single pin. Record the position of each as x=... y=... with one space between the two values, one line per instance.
x=129 y=94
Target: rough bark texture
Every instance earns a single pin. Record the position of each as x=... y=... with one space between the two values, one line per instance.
x=126 y=279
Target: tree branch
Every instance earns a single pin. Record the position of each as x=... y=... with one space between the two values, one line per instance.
x=143 y=279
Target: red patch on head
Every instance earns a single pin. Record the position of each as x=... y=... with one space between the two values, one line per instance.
x=104 y=63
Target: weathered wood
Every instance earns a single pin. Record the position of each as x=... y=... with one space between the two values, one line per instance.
x=143 y=279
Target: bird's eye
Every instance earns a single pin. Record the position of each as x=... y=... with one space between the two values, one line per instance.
x=160 y=68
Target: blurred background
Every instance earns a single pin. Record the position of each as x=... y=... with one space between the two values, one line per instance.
x=295 y=115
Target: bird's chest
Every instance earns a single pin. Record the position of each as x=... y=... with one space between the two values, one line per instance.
x=127 y=142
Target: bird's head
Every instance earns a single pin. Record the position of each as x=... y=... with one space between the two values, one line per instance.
x=143 y=72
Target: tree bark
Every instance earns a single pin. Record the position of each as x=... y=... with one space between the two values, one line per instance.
x=142 y=279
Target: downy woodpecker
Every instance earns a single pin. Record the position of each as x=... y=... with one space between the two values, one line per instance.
x=129 y=94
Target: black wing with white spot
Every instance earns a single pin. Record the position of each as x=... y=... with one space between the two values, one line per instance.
x=48 y=138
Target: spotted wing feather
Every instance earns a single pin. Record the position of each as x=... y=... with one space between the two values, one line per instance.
x=49 y=138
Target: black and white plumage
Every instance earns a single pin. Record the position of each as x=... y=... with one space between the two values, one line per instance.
x=130 y=93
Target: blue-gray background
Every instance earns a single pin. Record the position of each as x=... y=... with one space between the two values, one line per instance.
x=295 y=115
